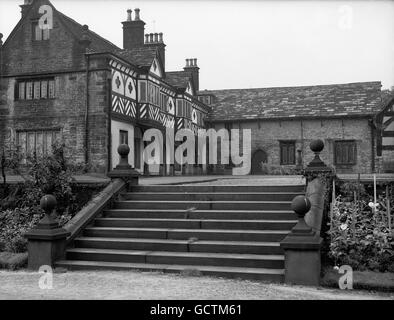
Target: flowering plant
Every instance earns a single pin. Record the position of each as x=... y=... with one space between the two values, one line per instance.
x=360 y=235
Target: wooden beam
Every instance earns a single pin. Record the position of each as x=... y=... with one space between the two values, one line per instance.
x=389 y=148
x=388 y=133
x=387 y=122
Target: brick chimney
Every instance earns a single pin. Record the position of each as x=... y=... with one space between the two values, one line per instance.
x=25 y=7
x=133 y=31
x=191 y=66
x=156 y=40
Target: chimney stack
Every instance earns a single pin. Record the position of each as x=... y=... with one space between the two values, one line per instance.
x=156 y=40
x=191 y=66
x=25 y=7
x=133 y=31
x=137 y=14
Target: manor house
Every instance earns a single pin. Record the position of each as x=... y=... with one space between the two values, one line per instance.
x=67 y=83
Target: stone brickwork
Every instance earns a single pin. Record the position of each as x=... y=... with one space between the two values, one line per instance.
x=266 y=135
x=61 y=58
x=79 y=62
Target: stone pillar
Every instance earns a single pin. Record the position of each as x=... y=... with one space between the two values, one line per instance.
x=302 y=248
x=317 y=166
x=124 y=170
x=47 y=241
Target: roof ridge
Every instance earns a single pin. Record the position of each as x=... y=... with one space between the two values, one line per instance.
x=90 y=31
x=298 y=87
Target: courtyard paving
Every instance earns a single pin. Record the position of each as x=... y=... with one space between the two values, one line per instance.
x=136 y=285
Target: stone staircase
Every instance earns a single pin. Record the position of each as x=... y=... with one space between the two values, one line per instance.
x=229 y=231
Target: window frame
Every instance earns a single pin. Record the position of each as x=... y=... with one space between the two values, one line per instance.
x=123 y=133
x=30 y=91
x=286 y=144
x=24 y=144
x=354 y=147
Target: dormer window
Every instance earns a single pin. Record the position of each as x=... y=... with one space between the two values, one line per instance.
x=40 y=33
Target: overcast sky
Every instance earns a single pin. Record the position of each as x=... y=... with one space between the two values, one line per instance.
x=246 y=44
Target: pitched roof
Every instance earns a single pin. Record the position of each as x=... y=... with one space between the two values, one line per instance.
x=98 y=43
x=351 y=99
x=178 y=79
x=140 y=56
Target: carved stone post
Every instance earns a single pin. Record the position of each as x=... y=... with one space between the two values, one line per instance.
x=47 y=241
x=302 y=248
x=124 y=170
x=317 y=165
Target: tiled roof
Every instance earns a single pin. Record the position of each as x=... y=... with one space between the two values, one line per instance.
x=178 y=79
x=352 y=99
x=141 y=56
x=98 y=43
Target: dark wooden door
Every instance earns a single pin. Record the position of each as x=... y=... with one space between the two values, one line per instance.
x=258 y=158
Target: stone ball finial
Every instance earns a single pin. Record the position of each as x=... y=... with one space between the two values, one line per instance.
x=48 y=203
x=123 y=150
x=317 y=145
x=301 y=205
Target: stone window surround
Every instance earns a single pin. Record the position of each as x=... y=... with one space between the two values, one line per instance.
x=25 y=83
x=349 y=164
x=283 y=143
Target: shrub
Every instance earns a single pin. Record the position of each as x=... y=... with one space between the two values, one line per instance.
x=272 y=169
x=360 y=237
x=13 y=261
x=13 y=224
x=21 y=212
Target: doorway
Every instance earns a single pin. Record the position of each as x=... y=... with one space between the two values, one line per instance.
x=259 y=157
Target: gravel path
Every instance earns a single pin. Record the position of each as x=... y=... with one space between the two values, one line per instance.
x=147 y=286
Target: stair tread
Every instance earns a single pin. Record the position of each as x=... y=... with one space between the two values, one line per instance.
x=171 y=241
x=271 y=184
x=201 y=201
x=180 y=254
x=194 y=220
x=190 y=230
x=206 y=193
x=170 y=267
x=201 y=211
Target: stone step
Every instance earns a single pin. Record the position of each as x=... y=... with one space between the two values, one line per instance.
x=204 y=205
x=271 y=275
x=186 y=234
x=196 y=223
x=297 y=188
x=179 y=245
x=179 y=258
x=201 y=214
x=207 y=196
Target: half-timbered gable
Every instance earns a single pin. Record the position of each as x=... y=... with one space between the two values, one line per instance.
x=385 y=132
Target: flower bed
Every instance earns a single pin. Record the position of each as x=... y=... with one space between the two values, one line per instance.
x=360 y=234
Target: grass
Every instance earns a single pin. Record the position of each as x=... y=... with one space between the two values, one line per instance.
x=362 y=280
x=13 y=261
